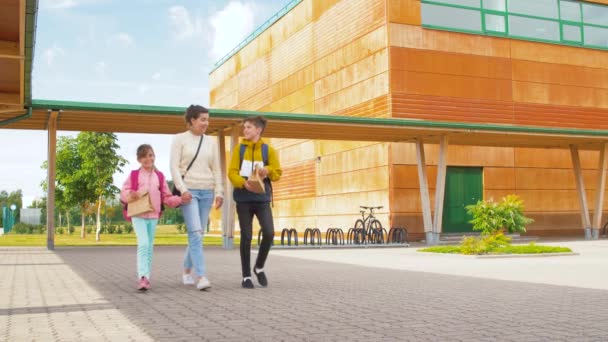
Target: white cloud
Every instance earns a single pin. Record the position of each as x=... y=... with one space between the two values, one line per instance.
x=122 y=39
x=156 y=76
x=230 y=26
x=184 y=25
x=51 y=53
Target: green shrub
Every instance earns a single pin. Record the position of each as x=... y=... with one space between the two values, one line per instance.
x=60 y=230
x=25 y=228
x=181 y=228
x=442 y=249
x=128 y=228
x=484 y=244
x=531 y=248
x=490 y=217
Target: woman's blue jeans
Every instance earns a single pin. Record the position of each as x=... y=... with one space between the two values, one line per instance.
x=196 y=216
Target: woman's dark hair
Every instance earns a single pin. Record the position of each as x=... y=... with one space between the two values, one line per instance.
x=193 y=112
x=258 y=121
x=143 y=150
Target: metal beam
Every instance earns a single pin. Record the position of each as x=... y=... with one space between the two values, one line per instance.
x=580 y=188
x=50 y=202
x=599 y=192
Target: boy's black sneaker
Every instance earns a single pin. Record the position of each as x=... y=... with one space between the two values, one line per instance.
x=247 y=284
x=261 y=277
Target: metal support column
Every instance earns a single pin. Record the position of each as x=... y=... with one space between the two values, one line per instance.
x=51 y=157
x=440 y=187
x=229 y=205
x=424 y=193
x=221 y=142
x=580 y=188
x=599 y=192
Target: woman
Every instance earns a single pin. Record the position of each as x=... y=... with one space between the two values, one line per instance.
x=254 y=155
x=196 y=172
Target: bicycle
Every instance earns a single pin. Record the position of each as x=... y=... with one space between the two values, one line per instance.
x=368 y=229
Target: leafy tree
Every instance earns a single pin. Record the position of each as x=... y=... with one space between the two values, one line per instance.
x=100 y=160
x=72 y=188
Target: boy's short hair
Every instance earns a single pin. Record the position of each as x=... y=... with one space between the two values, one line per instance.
x=258 y=121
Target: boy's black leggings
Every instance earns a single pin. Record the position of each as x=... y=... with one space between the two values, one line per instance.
x=245 y=212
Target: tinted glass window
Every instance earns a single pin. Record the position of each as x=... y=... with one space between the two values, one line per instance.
x=539 y=8
x=495 y=23
x=595 y=14
x=596 y=36
x=533 y=28
x=496 y=5
x=570 y=11
x=572 y=33
x=451 y=17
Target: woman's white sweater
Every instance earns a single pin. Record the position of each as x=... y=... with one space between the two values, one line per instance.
x=205 y=173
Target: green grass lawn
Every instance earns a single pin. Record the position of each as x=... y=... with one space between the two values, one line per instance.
x=518 y=249
x=165 y=236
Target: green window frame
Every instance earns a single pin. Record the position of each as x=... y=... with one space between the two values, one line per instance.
x=568 y=27
x=489 y=11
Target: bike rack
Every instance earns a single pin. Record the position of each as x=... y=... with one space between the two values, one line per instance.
x=397 y=235
x=312 y=233
x=355 y=236
x=334 y=236
x=289 y=232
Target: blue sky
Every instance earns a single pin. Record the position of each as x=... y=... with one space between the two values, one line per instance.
x=153 y=52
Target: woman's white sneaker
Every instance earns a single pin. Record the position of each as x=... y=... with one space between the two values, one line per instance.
x=187 y=279
x=203 y=284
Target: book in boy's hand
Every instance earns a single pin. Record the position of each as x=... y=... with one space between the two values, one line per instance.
x=256 y=182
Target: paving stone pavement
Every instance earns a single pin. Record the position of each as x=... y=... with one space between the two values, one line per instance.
x=88 y=294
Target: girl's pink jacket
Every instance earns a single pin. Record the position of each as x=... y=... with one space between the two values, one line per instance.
x=148 y=181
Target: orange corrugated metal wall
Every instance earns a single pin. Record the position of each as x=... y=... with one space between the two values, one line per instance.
x=449 y=76
x=372 y=58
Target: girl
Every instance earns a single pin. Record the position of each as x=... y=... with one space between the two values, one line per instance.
x=147 y=179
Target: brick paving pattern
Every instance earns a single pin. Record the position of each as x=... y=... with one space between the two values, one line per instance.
x=88 y=294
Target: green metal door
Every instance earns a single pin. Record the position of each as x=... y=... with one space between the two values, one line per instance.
x=463 y=186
